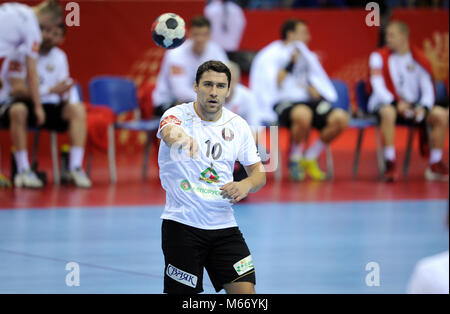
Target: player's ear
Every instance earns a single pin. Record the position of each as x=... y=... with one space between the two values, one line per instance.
x=195 y=86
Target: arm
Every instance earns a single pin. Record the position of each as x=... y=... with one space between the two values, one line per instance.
x=172 y=134
x=377 y=80
x=33 y=83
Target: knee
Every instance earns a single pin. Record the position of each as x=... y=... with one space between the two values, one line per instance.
x=301 y=116
x=388 y=114
x=438 y=116
x=340 y=119
x=18 y=113
x=76 y=112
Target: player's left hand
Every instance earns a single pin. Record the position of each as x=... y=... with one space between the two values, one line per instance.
x=235 y=191
x=419 y=113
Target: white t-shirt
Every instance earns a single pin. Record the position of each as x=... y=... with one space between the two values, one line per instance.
x=227 y=23
x=411 y=81
x=52 y=69
x=178 y=69
x=243 y=103
x=431 y=275
x=193 y=186
x=19 y=26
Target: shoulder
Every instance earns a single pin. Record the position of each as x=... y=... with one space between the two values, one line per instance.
x=59 y=54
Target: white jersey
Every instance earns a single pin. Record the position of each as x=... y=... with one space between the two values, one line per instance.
x=411 y=81
x=52 y=68
x=307 y=71
x=243 y=103
x=178 y=69
x=193 y=185
x=19 y=26
x=227 y=23
x=431 y=275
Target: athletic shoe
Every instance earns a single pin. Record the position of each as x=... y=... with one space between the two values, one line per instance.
x=27 y=179
x=390 y=174
x=4 y=182
x=296 y=172
x=311 y=167
x=437 y=172
x=80 y=178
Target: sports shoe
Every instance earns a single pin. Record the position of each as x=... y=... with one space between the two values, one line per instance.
x=296 y=172
x=4 y=182
x=80 y=178
x=27 y=179
x=390 y=174
x=311 y=167
x=437 y=172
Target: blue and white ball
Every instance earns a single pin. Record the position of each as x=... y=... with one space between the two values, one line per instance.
x=169 y=31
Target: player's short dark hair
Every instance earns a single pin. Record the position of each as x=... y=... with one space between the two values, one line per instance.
x=200 y=21
x=51 y=7
x=289 y=26
x=212 y=65
x=401 y=26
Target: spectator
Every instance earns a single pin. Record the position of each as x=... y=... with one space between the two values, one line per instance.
x=177 y=74
x=293 y=80
x=24 y=25
x=227 y=23
x=61 y=105
x=402 y=89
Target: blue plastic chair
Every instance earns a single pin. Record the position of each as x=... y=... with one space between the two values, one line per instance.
x=120 y=95
x=441 y=90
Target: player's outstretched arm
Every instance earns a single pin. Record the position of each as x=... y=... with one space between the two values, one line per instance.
x=173 y=134
x=256 y=179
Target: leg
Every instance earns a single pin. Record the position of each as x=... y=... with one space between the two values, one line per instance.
x=239 y=288
x=438 y=121
x=301 y=119
x=75 y=114
x=388 y=116
x=337 y=122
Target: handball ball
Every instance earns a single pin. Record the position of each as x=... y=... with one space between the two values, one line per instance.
x=169 y=30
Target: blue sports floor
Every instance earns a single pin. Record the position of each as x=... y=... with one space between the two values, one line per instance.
x=296 y=247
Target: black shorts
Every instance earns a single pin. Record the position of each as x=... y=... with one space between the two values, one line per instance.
x=400 y=119
x=321 y=110
x=53 y=116
x=187 y=250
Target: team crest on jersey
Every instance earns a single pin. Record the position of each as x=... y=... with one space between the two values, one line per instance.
x=209 y=175
x=227 y=134
x=50 y=67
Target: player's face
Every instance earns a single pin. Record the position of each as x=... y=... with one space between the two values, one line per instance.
x=200 y=36
x=301 y=33
x=394 y=37
x=57 y=36
x=212 y=90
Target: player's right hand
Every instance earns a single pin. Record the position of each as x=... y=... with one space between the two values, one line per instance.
x=40 y=115
x=190 y=146
x=62 y=87
x=405 y=110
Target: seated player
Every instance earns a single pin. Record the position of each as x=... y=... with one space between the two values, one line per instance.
x=302 y=94
x=178 y=68
x=402 y=88
x=62 y=108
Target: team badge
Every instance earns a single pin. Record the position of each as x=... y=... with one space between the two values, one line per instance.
x=227 y=134
x=185 y=185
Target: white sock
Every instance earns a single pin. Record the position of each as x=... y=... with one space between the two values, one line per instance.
x=76 y=157
x=435 y=155
x=315 y=150
x=389 y=153
x=22 y=162
x=296 y=151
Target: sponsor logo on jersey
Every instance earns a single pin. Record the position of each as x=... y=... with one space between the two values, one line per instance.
x=244 y=265
x=181 y=276
x=209 y=175
x=169 y=120
x=227 y=134
x=15 y=66
x=185 y=185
